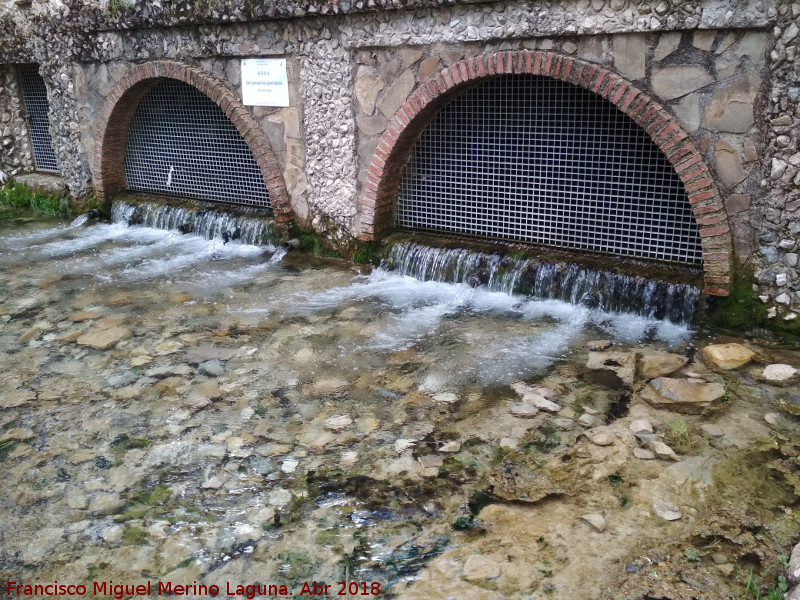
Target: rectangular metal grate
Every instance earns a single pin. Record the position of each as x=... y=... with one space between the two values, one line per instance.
x=180 y=142
x=37 y=111
x=537 y=160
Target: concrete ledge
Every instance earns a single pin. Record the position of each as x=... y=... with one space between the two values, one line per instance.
x=43 y=182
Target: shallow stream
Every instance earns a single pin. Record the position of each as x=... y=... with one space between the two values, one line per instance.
x=185 y=410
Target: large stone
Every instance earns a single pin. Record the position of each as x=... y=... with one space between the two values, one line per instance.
x=396 y=94
x=372 y=126
x=667 y=44
x=366 y=90
x=613 y=369
x=728 y=164
x=676 y=81
x=658 y=364
x=727 y=356
x=779 y=374
x=793 y=570
x=688 y=112
x=630 y=55
x=103 y=339
x=731 y=108
x=686 y=396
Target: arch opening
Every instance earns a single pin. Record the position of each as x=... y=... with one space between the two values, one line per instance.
x=180 y=142
x=532 y=159
x=37 y=116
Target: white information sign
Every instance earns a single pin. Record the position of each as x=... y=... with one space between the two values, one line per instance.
x=264 y=82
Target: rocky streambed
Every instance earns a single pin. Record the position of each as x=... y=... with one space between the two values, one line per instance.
x=187 y=412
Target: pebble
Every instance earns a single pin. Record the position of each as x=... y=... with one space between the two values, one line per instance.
x=644 y=454
x=289 y=465
x=772 y=418
x=541 y=402
x=523 y=410
x=106 y=504
x=430 y=460
x=564 y=424
x=450 y=447
x=666 y=510
x=402 y=445
x=595 y=520
x=588 y=420
x=338 y=422
x=213 y=483
x=779 y=374
x=212 y=368
x=641 y=426
x=446 y=398
x=601 y=439
x=112 y=534
x=662 y=450
x=478 y=567
x=280 y=497
x=597 y=345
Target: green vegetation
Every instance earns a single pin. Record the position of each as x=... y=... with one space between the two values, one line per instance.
x=678 y=435
x=15 y=195
x=772 y=581
x=742 y=313
x=134 y=536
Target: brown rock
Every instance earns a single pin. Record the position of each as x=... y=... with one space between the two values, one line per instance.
x=728 y=164
x=731 y=108
x=103 y=339
x=676 y=81
x=396 y=94
x=614 y=369
x=658 y=364
x=366 y=92
x=428 y=67
x=79 y=317
x=686 y=396
x=727 y=356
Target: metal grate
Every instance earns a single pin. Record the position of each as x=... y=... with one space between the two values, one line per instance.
x=37 y=109
x=180 y=142
x=533 y=159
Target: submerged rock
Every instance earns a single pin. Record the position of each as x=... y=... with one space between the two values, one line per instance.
x=613 y=369
x=727 y=356
x=659 y=364
x=523 y=410
x=686 y=396
x=103 y=339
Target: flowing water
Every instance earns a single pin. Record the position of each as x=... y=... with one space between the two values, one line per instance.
x=204 y=408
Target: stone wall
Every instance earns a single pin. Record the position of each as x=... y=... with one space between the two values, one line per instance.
x=777 y=271
x=725 y=69
x=16 y=154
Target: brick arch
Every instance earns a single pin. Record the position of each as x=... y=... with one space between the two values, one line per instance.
x=113 y=123
x=397 y=142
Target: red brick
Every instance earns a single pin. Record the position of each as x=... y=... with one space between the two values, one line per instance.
x=679 y=152
x=481 y=63
x=591 y=71
x=712 y=219
x=706 y=209
x=696 y=197
x=689 y=175
x=528 y=66
x=620 y=91
x=687 y=162
x=714 y=231
x=566 y=68
x=472 y=72
x=556 y=71
x=722 y=257
x=630 y=96
x=548 y=64
x=491 y=64
x=447 y=76
x=577 y=72
x=599 y=80
x=537 y=63
x=462 y=71
x=658 y=124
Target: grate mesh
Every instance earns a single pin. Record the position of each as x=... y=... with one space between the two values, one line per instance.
x=534 y=159
x=180 y=142
x=37 y=110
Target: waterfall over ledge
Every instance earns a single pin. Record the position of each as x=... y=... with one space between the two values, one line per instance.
x=207 y=220
x=566 y=281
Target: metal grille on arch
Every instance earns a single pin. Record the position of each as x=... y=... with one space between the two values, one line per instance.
x=180 y=142
x=537 y=160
